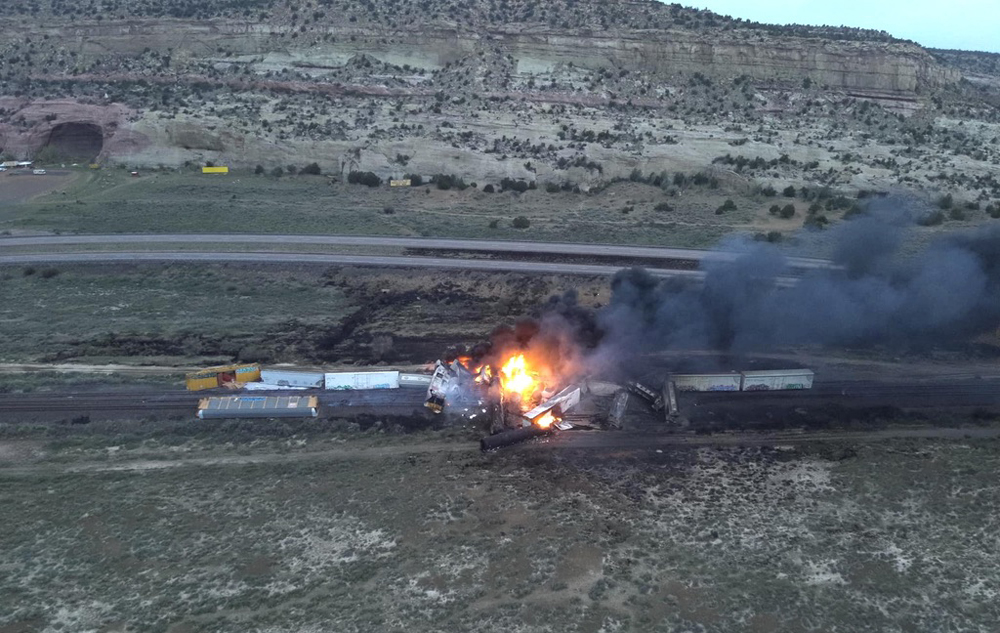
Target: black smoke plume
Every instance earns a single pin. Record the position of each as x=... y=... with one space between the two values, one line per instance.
x=874 y=295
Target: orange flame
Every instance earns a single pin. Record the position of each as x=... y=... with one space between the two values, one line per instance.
x=546 y=420
x=483 y=373
x=516 y=379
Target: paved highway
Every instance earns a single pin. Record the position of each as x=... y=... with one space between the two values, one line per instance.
x=498 y=246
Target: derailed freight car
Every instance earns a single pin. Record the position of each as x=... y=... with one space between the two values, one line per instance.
x=708 y=382
x=292 y=378
x=258 y=407
x=777 y=380
x=212 y=377
x=362 y=380
x=758 y=380
x=438 y=388
x=416 y=381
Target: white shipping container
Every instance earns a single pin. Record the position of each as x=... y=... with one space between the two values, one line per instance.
x=289 y=378
x=564 y=400
x=363 y=380
x=421 y=381
x=776 y=380
x=568 y=398
x=707 y=382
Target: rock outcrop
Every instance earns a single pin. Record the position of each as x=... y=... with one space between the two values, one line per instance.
x=565 y=97
x=71 y=130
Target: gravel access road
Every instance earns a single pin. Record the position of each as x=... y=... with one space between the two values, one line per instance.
x=498 y=246
x=550 y=268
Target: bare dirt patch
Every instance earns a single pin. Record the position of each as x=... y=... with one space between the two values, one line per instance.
x=18 y=187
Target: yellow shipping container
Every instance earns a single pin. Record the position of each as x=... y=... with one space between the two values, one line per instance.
x=212 y=377
x=200 y=383
x=215 y=170
x=403 y=182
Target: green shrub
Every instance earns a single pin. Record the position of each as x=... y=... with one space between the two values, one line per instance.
x=931 y=219
x=956 y=214
x=789 y=192
x=856 y=209
x=728 y=205
x=447 y=181
x=787 y=211
x=367 y=178
x=663 y=207
x=946 y=201
x=509 y=184
x=312 y=169
x=769 y=191
x=259 y=170
x=817 y=221
x=775 y=209
x=521 y=222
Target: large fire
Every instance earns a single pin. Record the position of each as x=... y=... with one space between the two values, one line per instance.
x=522 y=383
x=519 y=381
x=516 y=379
x=546 y=420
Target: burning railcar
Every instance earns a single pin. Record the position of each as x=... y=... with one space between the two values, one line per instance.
x=515 y=392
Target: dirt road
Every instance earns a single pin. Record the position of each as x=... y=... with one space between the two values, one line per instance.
x=499 y=246
x=340 y=260
x=24 y=464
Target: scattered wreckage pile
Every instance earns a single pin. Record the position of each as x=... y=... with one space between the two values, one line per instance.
x=513 y=397
x=520 y=400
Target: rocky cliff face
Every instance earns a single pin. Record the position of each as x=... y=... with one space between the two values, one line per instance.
x=891 y=68
x=587 y=90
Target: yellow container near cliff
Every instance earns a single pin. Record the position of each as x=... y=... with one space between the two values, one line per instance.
x=215 y=170
x=212 y=377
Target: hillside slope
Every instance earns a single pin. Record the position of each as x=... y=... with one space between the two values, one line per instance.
x=565 y=91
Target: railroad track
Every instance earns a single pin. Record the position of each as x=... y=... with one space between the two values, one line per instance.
x=849 y=394
x=86 y=402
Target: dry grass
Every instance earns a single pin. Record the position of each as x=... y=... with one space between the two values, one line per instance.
x=712 y=540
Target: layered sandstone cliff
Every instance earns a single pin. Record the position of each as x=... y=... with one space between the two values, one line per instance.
x=426 y=95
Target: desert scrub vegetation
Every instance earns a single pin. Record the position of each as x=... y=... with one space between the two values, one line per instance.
x=298 y=544
x=145 y=311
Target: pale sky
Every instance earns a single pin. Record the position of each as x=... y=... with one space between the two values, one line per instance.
x=959 y=24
